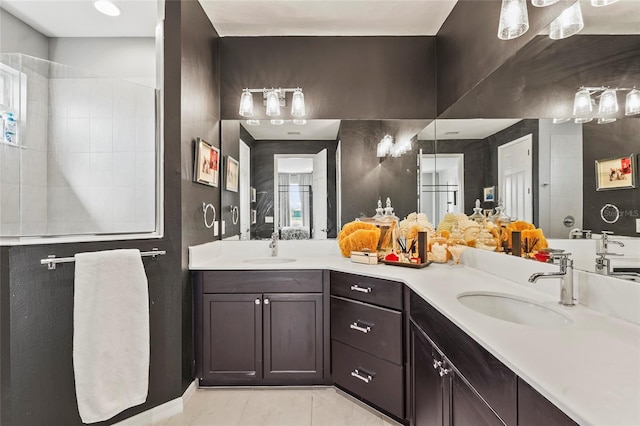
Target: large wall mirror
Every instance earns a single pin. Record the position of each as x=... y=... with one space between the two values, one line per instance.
x=83 y=94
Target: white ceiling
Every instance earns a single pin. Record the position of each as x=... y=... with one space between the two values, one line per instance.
x=327 y=17
x=313 y=130
x=476 y=128
x=78 y=18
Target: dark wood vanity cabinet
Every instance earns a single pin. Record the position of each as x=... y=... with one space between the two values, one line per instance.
x=248 y=337
x=367 y=340
x=441 y=395
x=474 y=387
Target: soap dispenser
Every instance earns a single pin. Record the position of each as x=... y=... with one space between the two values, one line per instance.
x=477 y=215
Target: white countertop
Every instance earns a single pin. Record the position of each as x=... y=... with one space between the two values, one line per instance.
x=590 y=368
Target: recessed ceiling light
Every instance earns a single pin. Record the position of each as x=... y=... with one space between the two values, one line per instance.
x=106 y=7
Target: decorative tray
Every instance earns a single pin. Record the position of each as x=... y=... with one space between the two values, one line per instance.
x=406 y=264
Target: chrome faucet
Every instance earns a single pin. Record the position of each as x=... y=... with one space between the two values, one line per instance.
x=606 y=241
x=566 y=277
x=273 y=245
x=603 y=263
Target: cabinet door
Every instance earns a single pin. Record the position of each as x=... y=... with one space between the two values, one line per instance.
x=430 y=405
x=293 y=337
x=467 y=408
x=231 y=338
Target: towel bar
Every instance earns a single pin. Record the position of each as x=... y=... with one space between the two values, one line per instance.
x=52 y=260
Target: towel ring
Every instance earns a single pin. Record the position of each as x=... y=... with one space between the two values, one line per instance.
x=206 y=207
x=235 y=214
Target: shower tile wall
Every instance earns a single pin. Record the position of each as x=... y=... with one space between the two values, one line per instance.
x=101 y=168
x=23 y=208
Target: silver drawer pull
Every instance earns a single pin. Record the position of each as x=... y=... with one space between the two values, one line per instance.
x=361 y=326
x=356 y=287
x=366 y=378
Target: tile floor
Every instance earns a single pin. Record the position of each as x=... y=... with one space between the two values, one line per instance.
x=278 y=407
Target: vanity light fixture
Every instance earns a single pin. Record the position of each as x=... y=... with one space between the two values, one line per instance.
x=277 y=121
x=299 y=122
x=253 y=122
x=387 y=146
x=274 y=99
x=384 y=146
x=514 y=19
x=560 y=120
x=107 y=8
x=583 y=103
x=569 y=22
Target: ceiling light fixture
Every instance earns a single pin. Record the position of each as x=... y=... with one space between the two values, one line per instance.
x=514 y=19
x=274 y=99
x=569 y=22
x=106 y=7
x=600 y=3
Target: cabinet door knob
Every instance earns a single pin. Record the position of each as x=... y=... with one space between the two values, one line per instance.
x=257 y=301
x=266 y=301
x=363 y=375
x=356 y=287
x=361 y=326
x=436 y=364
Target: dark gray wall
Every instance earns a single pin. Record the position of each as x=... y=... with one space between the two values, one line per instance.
x=199 y=114
x=469 y=49
x=538 y=83
x=262 y=171
x=610 y=141
x=342 y=77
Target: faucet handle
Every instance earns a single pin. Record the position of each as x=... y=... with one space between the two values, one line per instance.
x=606 y=253
x=606 y=233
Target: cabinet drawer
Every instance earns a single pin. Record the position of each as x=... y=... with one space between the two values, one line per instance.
x=375 y=380
x=286 y=281
x=371 y=290
x=370 y=328
x=490 y=378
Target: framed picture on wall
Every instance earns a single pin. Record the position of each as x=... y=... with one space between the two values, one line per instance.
x=232 y=175
x=616 y=173
x=489 y=193
x=206 y=167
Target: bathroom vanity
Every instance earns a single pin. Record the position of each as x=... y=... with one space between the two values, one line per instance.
x=400 y=340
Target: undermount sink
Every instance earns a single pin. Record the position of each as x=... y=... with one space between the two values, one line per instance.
x=270 y=260
x=514 y=309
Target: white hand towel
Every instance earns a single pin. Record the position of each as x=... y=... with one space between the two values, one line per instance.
x=110 y=333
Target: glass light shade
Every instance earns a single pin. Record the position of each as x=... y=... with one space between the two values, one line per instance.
x=560 y=120
x=568 y=23
x=297 y=104
x=606 y=120
x=543 y=3
x=277 y=122
x=246 y=104
x=608 y=102
x=273 y=103
x=253 y=122
x=581 y=120
x=514 y=19
x=299 y=122
x=632 y=103
x=582 y=103
x=600 y=3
